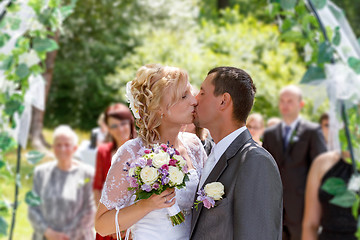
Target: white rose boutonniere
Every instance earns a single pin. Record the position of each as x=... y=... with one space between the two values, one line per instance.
x=211 y=193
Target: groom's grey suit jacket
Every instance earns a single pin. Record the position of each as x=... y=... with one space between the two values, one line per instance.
x=251 y=208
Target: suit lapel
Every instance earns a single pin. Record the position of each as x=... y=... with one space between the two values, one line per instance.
x=299 y=129
x=220 y=167
x=280 y=143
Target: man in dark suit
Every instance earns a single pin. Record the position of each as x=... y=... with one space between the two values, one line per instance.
x=251 y=208
x=294 y=143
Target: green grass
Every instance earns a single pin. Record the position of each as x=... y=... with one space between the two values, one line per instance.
x=23 y=229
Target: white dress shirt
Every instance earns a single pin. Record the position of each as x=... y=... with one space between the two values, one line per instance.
x=216 y=153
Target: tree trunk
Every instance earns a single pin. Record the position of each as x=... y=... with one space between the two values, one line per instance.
x=223 y=4
x=37 y=121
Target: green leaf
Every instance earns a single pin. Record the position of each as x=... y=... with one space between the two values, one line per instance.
x=4 y=207
x=34 y=156
x=292 y=36
x=325 y=53
x=2 y=163
x=319 y=4
x=13 y=106
x=45 y=45
x=22 y=71
x=14 y=23
x=3 y=39
x=345 y=200
x=337 y=37
x=287 y=25
x=144 y=195
x=13 y=7
x=3 y=226
x=288 y=4
x=6 y=142
x=355 y=207
x=334 y=186
x=6 y=64
x=354 y=63
x=312 y=74
x=32 y=199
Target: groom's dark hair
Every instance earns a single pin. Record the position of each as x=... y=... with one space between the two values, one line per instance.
x=239 y=85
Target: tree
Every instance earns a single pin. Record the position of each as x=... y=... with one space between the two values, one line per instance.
x=233 y=40
x=99 y=34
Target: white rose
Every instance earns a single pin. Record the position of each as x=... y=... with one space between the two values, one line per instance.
x=175 y=175
x=214 y=190
x=181 y=160
x=149 y=175
x=160 y=159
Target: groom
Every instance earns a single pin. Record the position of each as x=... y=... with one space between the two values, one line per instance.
x=251 y=208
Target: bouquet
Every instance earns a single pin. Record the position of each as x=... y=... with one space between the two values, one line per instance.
x=211 y=192
x=159 y=168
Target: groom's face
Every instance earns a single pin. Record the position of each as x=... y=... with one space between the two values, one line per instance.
x=206 y=110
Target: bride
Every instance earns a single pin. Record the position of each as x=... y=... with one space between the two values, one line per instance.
x=161 y=100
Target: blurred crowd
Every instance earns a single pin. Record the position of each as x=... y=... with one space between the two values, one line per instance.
x=70 y=187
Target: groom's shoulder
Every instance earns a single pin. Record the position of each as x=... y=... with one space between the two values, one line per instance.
x=254 y=153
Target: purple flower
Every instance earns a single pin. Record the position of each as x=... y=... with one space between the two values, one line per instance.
x=142 y=162
x=172 y=162
x=146 y=188
x=165 y=167
x=155 y=186
x=149 y=162
x=207 y=203
x=185 y=169
x=176 y=152
x=164 y=180
x=133 y=164
x=132 y=181
x=147 y=151
x=170 y=151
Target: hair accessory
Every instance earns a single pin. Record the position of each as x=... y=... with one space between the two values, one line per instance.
x=131 y=100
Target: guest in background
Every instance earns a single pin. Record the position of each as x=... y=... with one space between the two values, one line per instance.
x=324 y=123
x=64 y=186
x=294 y=143
x=98 y=135
x=255 y=124
x=202 y=133
x=120 y=124
x=272 y=121
x=337 y=223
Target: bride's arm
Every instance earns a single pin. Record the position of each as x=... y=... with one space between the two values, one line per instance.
x=115 y=195
x=105 y=219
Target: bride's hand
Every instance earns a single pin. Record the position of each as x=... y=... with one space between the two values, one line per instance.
x=161 y=201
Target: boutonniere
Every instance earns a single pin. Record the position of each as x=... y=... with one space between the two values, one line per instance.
x=211 y=193
x=294 y=137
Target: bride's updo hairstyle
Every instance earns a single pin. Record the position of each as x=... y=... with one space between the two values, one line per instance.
x=151 y=84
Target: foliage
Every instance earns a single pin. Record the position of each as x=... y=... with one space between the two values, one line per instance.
x=233 y=40
x=98 y=35
x=20 y=63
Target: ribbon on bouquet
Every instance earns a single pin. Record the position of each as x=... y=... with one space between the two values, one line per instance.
x=174 y=209
x=118 y=232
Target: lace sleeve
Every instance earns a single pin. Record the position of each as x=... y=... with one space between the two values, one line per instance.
x=115 y=193
x=196 y=150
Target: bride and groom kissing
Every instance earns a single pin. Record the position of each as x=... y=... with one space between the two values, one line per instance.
x=251 y=204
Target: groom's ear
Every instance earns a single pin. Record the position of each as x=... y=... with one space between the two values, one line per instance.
x=226 y=101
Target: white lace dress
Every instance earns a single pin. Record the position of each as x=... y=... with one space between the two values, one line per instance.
x=156 y=224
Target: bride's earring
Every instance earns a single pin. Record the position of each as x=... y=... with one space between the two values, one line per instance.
x=161 y=115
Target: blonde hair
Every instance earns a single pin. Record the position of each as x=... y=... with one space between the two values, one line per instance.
x=149 y=87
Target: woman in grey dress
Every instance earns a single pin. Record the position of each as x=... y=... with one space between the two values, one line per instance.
x=64 y=186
